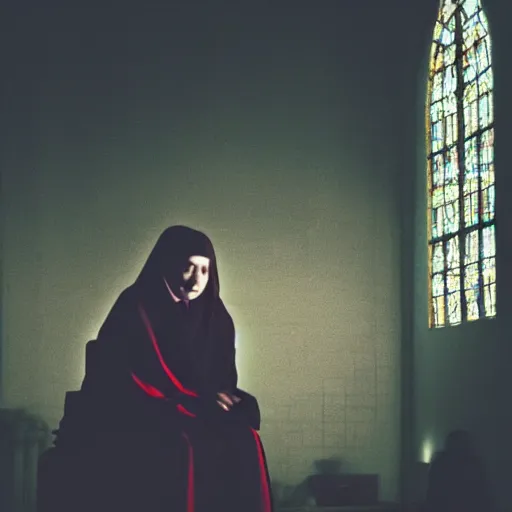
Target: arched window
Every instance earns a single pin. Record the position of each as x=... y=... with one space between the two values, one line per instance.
x=460 y=148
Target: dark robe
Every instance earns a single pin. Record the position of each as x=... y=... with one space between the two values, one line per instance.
x=457 y=483
x=145 y=432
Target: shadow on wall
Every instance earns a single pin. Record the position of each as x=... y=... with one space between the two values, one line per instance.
x=23 y=438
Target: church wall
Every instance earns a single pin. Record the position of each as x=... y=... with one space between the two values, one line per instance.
x=279 y=134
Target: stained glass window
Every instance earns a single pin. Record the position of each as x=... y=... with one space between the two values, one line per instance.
x=460 y=147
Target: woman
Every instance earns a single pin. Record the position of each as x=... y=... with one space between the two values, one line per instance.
x=159 y=423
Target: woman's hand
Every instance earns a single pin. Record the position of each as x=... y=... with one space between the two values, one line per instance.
x=227 y=400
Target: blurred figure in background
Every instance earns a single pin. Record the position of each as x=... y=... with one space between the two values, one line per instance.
x=456 y=479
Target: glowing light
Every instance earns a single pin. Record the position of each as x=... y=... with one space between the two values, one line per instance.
x=427 y=450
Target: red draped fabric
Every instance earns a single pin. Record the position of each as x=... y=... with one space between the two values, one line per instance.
x=155 y=393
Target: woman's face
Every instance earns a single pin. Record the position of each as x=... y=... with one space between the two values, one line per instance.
x=192 y=280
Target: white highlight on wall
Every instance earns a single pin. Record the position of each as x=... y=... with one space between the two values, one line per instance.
x=427 y=450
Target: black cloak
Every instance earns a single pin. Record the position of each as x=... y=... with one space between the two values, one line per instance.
x=145 y=432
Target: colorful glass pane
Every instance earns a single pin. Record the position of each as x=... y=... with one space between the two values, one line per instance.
x=450 y=105
x=451 y=174
x=447 y=11
x=451 y=130
x=474 y=31
x=450 y=80
x=451 y=217
x=472 y=291
x=439 y=311
x=484 y=111
x=454 y=309
x=472 y=301
x=453 y=254
x=469 y=65
x=436 y=111
x=449 y=55
x=490 y=102
x=486 y=81
x=461 y=166
x=437 y=262
x=438 y=198
x=488 y=202
x=470 y=93
x=437 y=59
x=471 y=173
x=437 y=222
x=437 y=135
x=487 y=147
x=489 y=281
x=437 y=87
x=470 y=111
x=471 y=277
x=490 y=300
x=437 y=170
x=489 y=271
x=438 y=281
x=471 y=209
x=451 y=193
x=447 y=34
x=437 y=33
x=472 y=248
x=469 y=8
x=482 y=56
x=489 y=242
x=487 y=176
x=453 y=280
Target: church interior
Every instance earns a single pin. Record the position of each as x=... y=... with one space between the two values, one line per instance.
x=301 y=137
